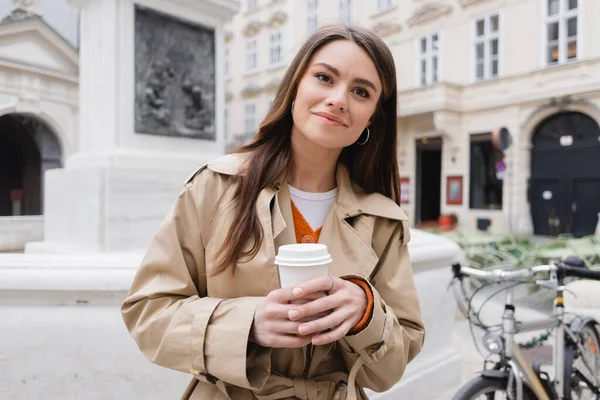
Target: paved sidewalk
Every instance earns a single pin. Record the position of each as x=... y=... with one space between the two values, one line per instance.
x=67 y=352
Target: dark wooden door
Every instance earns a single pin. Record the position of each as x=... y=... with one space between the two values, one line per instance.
x=565 y=175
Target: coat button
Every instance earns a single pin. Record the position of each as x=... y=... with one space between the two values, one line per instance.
x=307 y=239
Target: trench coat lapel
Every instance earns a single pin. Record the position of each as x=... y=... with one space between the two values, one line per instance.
x=351 y=253
x=283 y=220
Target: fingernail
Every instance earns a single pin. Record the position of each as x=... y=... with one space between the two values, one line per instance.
x=293 y=314
x=303 y=329
x=297 y=292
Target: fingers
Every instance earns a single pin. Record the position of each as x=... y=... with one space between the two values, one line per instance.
x=320 y=284
x=331 y=336
x=282 y=296
x=275 y=311
x=289 y=342
x=315 y=307
x=310 y=297
x=284 y=326
x=322 y=324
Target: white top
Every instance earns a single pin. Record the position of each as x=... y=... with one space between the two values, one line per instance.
x=313 y=206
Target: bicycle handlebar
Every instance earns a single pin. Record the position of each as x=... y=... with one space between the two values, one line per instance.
x=580 y=272
x=571 y=266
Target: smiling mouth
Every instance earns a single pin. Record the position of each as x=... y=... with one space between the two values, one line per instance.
x=329 y=121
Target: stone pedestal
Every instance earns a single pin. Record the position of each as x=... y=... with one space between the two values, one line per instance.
x=151 y=106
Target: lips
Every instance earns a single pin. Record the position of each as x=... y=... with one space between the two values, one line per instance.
x=330 y=119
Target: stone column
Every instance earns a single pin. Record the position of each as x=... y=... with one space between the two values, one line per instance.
x=151 y=103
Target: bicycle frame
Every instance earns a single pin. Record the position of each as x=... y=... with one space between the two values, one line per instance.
x=512 y=360
x=515 y=357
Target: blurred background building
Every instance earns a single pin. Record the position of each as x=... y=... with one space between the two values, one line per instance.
x=82 y=175
x=465 y=69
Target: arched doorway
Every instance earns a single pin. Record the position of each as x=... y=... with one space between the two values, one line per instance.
x=27 y=149
x=565 y=175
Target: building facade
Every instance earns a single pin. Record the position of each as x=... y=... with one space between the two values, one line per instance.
x=466 y=69
x=39 y=82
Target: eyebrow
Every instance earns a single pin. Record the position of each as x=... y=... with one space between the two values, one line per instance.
x=336 y=72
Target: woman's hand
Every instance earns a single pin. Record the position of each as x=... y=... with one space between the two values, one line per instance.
x=345 y=306
x=272 y=327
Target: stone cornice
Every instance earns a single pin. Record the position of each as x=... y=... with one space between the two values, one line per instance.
x=277 y=19
x=251 y=28
x=273 y=84
x=251 y=90
x=429 y=12
x=221 y=9
x=386 y=28
x=466 y=3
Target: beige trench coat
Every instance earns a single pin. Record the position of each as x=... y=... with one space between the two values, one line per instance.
x=188 y=321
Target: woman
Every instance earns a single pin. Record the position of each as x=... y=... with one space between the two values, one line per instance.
x=322 y=167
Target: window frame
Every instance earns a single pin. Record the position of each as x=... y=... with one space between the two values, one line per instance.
x=428 y=57
x=252 y=5
x=250 y=118
x=480 y=138
x=249 y=69
x=227 y=61
x=561 y=18
x=312 y=12
x=346 y=9
x=226 y=124
x=278 y=46
x=486 y=40
x=384 y=5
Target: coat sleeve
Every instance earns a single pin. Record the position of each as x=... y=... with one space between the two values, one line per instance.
x=169 y=315
x=395 y=333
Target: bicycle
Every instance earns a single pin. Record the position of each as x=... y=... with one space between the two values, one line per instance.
x=576 y=350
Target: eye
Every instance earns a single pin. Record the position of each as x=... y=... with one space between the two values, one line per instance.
x=361 y=92
x=323 y=77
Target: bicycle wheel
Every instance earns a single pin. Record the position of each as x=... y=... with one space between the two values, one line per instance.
x=483 y=388
x=582 y=365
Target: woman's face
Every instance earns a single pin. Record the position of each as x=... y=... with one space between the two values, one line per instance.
x=337 y=96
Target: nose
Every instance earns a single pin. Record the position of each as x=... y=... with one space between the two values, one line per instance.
x=337 y=99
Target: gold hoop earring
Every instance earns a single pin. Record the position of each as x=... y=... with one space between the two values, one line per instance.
x=366 y=140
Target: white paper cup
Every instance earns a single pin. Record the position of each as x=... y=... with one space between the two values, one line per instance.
x=301 y=262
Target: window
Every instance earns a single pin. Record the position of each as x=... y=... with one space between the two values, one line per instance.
x=383 y=5
x=275 y=48
x=429 y=59
x=227 y=66
x=250 y=123
x=346 y=11
x=313 y=15
x=487 y=170
x=560 y=31
x=251 y=5
x=487 y=47
x=251 y=55
x=226 y=124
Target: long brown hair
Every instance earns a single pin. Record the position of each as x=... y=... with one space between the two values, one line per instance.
x=373 y=166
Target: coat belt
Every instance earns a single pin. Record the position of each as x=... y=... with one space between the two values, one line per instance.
x=308 y=389
x=303 y=389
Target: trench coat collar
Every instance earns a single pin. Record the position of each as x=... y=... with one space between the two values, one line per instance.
x=351 y=200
